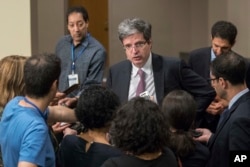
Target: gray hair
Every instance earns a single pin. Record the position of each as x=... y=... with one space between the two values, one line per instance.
x=132 y=26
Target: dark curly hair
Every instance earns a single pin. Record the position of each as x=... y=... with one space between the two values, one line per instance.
x=139 y=127
x=96 y=107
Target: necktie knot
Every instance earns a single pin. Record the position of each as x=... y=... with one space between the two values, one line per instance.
x=140 y=73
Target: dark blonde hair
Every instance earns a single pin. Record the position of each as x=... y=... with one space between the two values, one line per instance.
x=11 y=77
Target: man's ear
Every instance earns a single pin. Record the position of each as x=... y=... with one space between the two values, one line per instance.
x=55 y=85
x=223 y=82
x=211 y=37
x=87 y=24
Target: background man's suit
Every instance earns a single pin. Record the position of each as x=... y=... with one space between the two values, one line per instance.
x=169 y=74
x=199 y=61
x=230 y=133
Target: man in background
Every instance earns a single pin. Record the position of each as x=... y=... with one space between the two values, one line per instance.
x=228 y=74
x=82 y=56
x=223 y=38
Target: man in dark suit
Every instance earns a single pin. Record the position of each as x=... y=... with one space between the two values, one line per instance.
x=162 y=74
x=232 y=134
x=223 y=35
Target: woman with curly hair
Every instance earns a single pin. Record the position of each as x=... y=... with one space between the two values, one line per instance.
x=95 y=110
x=140 y=130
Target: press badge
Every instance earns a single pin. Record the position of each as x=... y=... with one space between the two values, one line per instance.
x=73 y=79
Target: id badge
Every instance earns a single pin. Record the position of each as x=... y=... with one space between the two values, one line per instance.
x=73 y=79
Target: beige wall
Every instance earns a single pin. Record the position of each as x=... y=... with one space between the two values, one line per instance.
x=178 y=25
x=15 y=28
x=29 y=27
x=51 y=23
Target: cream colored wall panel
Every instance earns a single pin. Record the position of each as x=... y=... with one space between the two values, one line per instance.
x=15 y=28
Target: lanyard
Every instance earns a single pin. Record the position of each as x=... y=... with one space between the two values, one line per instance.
x=73 y=57
x=39 y=111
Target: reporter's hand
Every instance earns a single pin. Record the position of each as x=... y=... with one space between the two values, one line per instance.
x=68 y=101
x=69 y=131
x=206 y=134
x=58 y=96
x=58 y=127
x=217 y=106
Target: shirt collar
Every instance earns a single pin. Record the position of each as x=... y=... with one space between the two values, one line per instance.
x=236 y=97
x=83 y=43
x=212 y=55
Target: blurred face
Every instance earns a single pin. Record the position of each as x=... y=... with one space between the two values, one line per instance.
x=137 y=49
x=218 y=84
x=77 y=27
x=220 y=46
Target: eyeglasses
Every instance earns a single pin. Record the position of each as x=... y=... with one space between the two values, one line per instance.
x=212 y=79
x=137 y=45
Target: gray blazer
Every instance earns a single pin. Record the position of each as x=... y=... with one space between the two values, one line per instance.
x=90 y=58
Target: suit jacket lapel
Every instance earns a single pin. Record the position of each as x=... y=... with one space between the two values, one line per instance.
x=158 y=74
x=125 y=81
x=231 y=110
x=222 y=124
x=207 y=62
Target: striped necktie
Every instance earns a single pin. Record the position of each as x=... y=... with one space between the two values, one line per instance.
x=141 y=84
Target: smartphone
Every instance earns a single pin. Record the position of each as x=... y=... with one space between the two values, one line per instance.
x=63 y=123
x=71 y=89
x=196 y=133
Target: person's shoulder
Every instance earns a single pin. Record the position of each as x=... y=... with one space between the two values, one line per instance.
x=122 y=160
x=240 y=107
x=198 y=54
x=167 y=151
x=66 y=39
x=12 y=105
x=121 y=65
x=164 y=57
x=166 y=61
x=109 y=150
x=73 y=141
x=167 y=156
x=200 y=155
x=242 y=102
x=200 y=50
x=94 y=42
